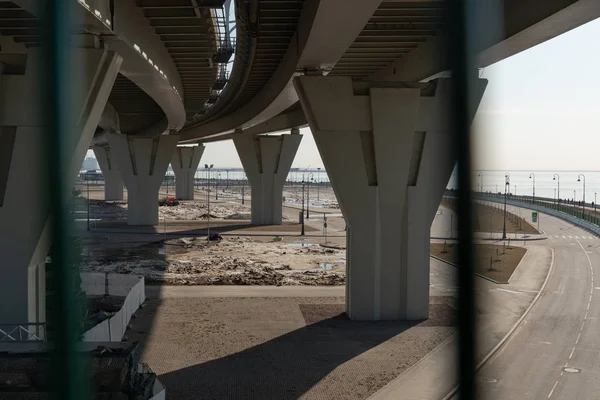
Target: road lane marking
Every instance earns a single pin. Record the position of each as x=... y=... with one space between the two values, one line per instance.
x=552 y=391
x=578 y=337
x=509 y=334
x=572 y=351
x=564 y=237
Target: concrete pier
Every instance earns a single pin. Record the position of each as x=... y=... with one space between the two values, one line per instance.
x=25 y=237
x=267 y=161
x=113 y=183
x=142 y=162
x=185 y=163
x=388 y=152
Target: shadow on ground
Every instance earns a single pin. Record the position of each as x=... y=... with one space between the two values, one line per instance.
x=285 y=367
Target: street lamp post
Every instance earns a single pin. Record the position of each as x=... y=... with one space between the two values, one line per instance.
x=480 y=182
x=302 y=233
x=556 y=178
x=533 y=175
x=506 y=184
x=87 y=181
x=579 y=180
x=218 y=177
x=309 y=177
x=243 y=187
x=318 y=182
x=208 y=168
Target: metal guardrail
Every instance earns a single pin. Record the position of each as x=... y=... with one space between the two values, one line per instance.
x=35 y=332
x=563 y=211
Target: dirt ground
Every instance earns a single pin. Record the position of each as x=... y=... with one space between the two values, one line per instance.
x=491 y=218
x=496 y=262
x=232 y=261
x=185 y=210
x=279 y=348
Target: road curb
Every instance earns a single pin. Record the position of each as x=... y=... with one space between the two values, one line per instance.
x=511 y=331
x=479 y=275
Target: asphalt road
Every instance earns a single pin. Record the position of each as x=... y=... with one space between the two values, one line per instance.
x=554 y=352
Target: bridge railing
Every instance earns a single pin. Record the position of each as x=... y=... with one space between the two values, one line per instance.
x=567 y=211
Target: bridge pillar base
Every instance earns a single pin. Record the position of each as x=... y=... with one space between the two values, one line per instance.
x=113 y=183
x=185 y=164
x=388 y=154
x=25 y=213
x=143 y=162
x=266 y=161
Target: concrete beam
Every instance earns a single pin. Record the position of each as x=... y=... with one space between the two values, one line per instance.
x=307 y=52
x=279 y=123
x=503 y=28
x=388 y=152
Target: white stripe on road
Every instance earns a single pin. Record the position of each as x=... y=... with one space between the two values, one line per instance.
x=552 y=391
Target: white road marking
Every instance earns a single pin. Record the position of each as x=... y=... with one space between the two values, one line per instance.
x=578 y=337
x=589 y=237
x=582 y=325
x=572 y=351
x=555 y=235
x=545 y=342
x=576 y=237
x=564 y=237
x=552 y=391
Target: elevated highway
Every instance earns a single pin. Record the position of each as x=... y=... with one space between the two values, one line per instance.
x=370 y=78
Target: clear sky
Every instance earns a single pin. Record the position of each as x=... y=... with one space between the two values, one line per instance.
x=541 y=110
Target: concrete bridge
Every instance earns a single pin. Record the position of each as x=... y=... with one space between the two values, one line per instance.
x=370 y=77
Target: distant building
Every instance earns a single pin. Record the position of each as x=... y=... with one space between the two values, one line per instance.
x=90 y=163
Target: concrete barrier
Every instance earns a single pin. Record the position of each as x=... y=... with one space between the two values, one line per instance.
x=131 y=286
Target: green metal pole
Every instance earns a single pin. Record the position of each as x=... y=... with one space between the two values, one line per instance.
x=69 y=376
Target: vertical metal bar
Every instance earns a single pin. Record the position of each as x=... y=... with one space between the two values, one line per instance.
x=56 y=83
x=463 y=71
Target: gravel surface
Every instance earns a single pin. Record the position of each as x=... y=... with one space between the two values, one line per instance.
x=232 y=261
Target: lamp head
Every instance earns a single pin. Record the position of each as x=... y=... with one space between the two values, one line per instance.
x=578 y=179
x=205 y=165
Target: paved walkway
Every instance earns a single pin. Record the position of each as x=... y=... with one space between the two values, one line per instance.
x=499 y=307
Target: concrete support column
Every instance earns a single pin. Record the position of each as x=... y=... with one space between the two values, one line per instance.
x=143 y=162
x=113 y=183
x=388 y=152
x=267 y=161
x=24 y=212
x=185 y=164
